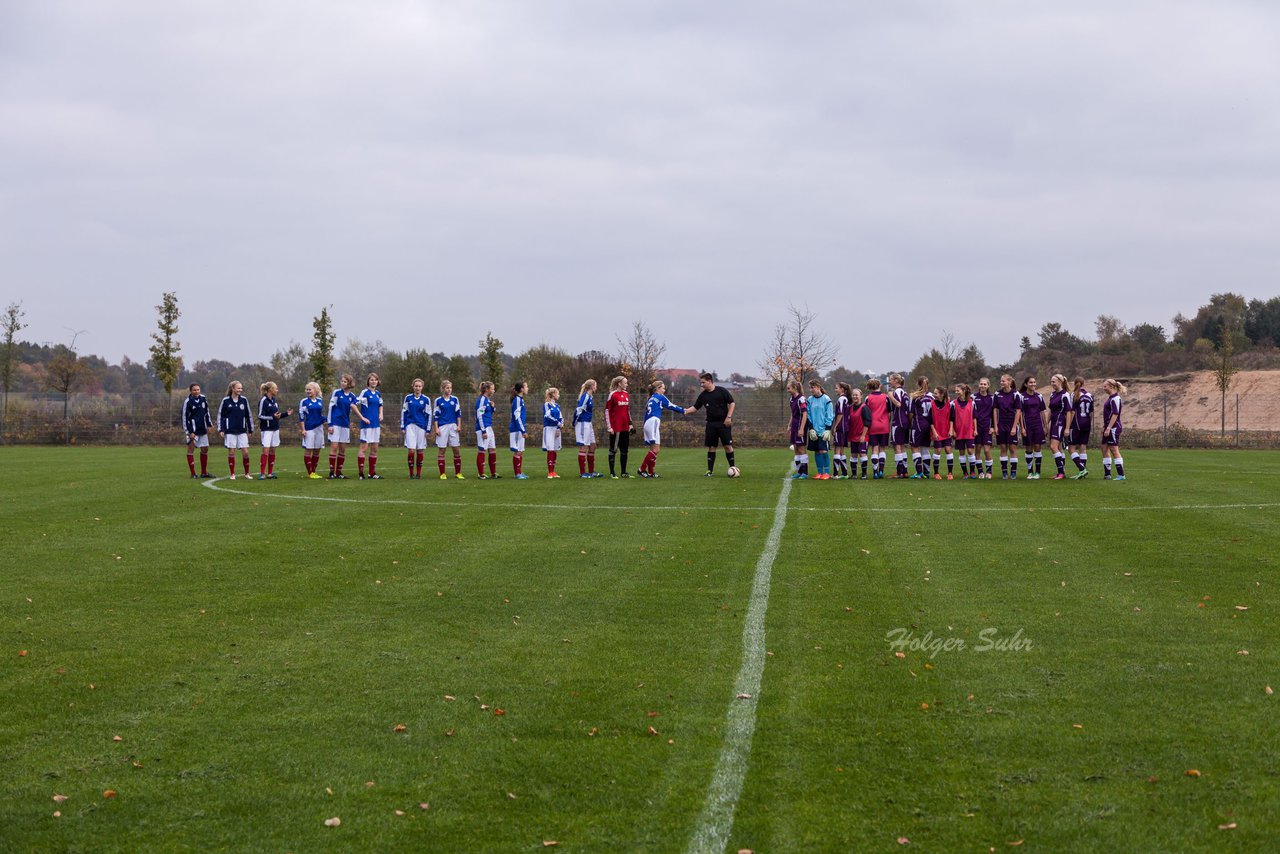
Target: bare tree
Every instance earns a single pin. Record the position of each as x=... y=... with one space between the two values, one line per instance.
x=1224 y=368
x=810 y=350
x=65 y=370
x=641 y=354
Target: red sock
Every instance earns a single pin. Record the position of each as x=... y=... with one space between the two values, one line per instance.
x=440 y=462
x=493 y=463
x=457 y=463
x=191 y=463
x=480 y=463
x=373 y=464
x=591 y=462
x=231 y=462
x=649 y=460
x=333 y=462
x=410 y=463
x=420 y=456
x=342 y=458
x=245 y=460
x=360 y=462
x=271 y=461
x=204 y=461
x=582 y=463
x=551 y=462
x=516 y=461
x=262 y=462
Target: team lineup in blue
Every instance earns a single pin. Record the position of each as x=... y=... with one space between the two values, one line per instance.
x=849 y=436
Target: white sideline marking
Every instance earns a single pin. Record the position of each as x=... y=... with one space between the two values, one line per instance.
x=955 y=508
x=712 y=832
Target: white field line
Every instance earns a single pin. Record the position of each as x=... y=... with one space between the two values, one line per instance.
x=955 y=508
x=712 y=831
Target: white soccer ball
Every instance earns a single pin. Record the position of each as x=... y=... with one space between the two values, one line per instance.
x=733 y=471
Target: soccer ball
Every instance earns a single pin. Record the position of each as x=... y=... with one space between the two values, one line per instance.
x=733 y=471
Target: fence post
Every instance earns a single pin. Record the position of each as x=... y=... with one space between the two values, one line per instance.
x=1237 y=419
x=1164 y=432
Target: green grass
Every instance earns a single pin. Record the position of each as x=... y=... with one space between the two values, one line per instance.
x=254 y=652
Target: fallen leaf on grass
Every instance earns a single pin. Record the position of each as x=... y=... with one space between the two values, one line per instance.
x=743 y=697
x=57 y=813
x=899 y=655
x=594 y=731
x=450 y=697
x=499 y=712
x=424 y=806
x=109 y=794
x=924 y=706
x=399 y=812
x=332 y=822
x=511 y=796
x=399 y=728
x=1242 y=607
x=449 y=732
x=655 y=714
x=368 y=784
x=116 y=738
x=1231 y=826
x=902 y=840
x=58 y=799
x=1242 y=652
x=328 y=791
x=1153 y=779
x=1077 y=726
x=1015 y=844
x=22 y=653
x=551 y=843
x=653 y=731
x=1192 y=772
x=1269 y=691
x=136 y=763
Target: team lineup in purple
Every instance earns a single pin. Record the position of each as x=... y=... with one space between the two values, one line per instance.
x=930 y=427
x=439 y=420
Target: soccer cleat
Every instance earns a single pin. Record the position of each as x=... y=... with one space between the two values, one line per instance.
x=709 y=474
x=796 y=476
x=863 y=477
x=262 y=477
x=341 y=477
x=939 y=477
x=625 y=476
x=362 y=477
x=654 y=476
x=315 y=476
x=801 y=477
x=1118 y=477
x=1106 y=477
x=553 y=476
x=522 y=476
x=206 y=476
x=613 y=477
x=233 y=475
x=271 y=476
x=584 y=476
x=1083 y=473
x=1059 y=477
x=484 y=477
x=949 y=477
x=596 y=474
x=495 y=477
x=444 y=477
x=195 y=476
x=375 y=477
x=459 y=476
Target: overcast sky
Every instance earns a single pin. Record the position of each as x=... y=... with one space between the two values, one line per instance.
x=552 y=171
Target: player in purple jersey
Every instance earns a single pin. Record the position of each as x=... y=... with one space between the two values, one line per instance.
x=1059 y=409
x=900 y=409
x=1034 y=413
x=984 y=408
x=1111 y=428
x=840 y=430
x=1008 y=412
x=795 y=435
x=1079 y=423
x=921 y=427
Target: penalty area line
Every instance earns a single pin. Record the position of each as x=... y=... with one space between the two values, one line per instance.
x=716 y=820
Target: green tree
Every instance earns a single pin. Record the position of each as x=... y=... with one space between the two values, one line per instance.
x=544 y=366
x=458 y=371
x=165 y=361
x=11 y=325
x=66 y=369
x=321 y=355
x=401 y=369
x=491 y=366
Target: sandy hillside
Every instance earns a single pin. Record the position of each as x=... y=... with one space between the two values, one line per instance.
x=1195 y=402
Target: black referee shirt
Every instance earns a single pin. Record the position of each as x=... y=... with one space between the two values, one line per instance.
x=717 y=403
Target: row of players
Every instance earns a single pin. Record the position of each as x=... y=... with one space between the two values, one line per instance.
x=440 y=420
x=859 y=428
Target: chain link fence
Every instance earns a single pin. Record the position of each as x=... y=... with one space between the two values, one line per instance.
x=760 y=420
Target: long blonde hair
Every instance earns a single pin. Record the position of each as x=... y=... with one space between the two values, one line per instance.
x=922 y=388
x=266 y=387
x=616 y=383
x=1115 y=384
x=588 y=384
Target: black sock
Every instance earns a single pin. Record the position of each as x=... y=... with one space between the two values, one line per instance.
x=612 y=456
x=728 y=455
x=711 y=460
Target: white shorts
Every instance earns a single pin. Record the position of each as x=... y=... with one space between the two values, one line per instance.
x=270 y=438
x=313 y=439
x=236 y=440
x=415 y=437
x=485 y=440
x=584 y=433
x=200 y=441
x=550 y=438
x=449 y=436
x=517 y=443
x=340 y=435
x=371 y=435
x=653 y=431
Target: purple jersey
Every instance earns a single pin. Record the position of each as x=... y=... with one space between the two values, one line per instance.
x=922 y=414
x=1083 y=408
x=1008 y=404
x=842 y=421
x=901 y=412
x=1059 y=406
x=983 y=407
x=1110 y=408
x=798 y=407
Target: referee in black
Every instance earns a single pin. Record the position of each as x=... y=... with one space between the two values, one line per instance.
x=719 y=404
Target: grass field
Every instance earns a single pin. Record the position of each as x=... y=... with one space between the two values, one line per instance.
x=234 y=662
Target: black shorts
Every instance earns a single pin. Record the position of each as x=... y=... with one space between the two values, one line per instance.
x=718 y=433
x=818 y=445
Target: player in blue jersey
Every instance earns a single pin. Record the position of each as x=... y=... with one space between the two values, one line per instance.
x=311 y=421
x=653 y=425
x=518 y=428
x=819 y=416
x=196 y=422
x=235 y=425
x=552 y=423
x=342 y=403
x=448 y=415
x=584 y=430
x=415 y=422
x=269 y=415
x=369 y=404
x=486 y=444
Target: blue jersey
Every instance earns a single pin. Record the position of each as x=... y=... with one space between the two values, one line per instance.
x=340 y=403
x=551 y=416
x=370 y=403
x=268 y=414
x=195 y=415
x=657 y=403
x=311 y=413
x=448 y=411
x=484 y=412
x=820 y=415
x=416 y=410
x=234 y=417
x=585 y=409
x=518 y=414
